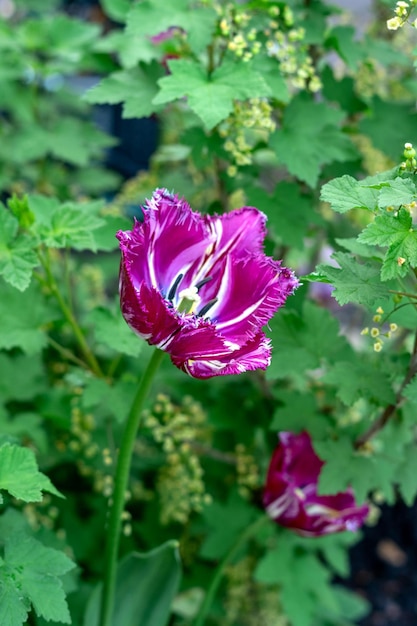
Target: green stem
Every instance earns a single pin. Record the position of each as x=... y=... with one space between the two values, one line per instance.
x=70 y=317
x=120 y=486
x=67 y=354
x=403 y=293
x=218 y=574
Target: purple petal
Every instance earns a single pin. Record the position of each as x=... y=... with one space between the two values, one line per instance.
x=241 y=231
x=146 y=312
x=171 y=240
x=291 y=498
x=249 y=292
x=233 y=359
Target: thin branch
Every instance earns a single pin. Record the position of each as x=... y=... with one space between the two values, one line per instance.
x=389 y=410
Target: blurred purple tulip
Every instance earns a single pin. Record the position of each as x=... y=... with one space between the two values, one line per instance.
x=291 y=498
x=200 y=287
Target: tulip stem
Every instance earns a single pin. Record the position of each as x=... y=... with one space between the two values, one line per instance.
x=120 y=487
x=249 y=532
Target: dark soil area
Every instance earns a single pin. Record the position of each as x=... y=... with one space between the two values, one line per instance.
x=384 y=568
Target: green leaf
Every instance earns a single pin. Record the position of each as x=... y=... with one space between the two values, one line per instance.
x=76 y=141
x=300 y=412
x=358 y=249
x=34 y=572
x=135 y=87
x=395 y=231
x=387 y=229
x=298 y=573
x=344 y=40
x=407 y=475
x=24 y=318
x=358 y=378
x=396 y=192
x=25 y=427
x=341 y=91
x=66 y=225
x=211 y=97
x=105 y=236
x=353 y=281
x=58 y=35
x=302 y=343
x=269 y=69
x=351 y=605
x=111 y=330
x=334 y=549
x=19 y=474
x=146 y=20
x=310 y=137
x=22 y=377
x=410 y=392
x=117 y=10
x=108 y=401
x=345 y=466
x=17 y=252
x=145 y=588
x=389 y=125
x=346 y=193
x=288 y=210
x=13 y=609
x=225 y=522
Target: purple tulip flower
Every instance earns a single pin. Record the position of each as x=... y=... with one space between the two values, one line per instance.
x=200 y=287
x=291 y=498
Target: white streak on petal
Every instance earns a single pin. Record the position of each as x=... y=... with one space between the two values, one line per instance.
x=242 y=316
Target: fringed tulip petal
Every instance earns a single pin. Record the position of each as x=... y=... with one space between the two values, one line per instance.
x=291 y=498
x=200 y=287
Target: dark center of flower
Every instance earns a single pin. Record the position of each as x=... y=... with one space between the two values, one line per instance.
x=189 y=298
x=206 y=308
x=173 y=290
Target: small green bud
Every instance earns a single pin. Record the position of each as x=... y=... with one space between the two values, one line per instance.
x=20 y=208
x=409 y=153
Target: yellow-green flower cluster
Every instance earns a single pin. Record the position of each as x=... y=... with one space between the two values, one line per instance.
x=41 y=514
x=180 y=485
x=377 y=332
x=240 y=35
x=402 y=13
x=246 y=34
x=81 y=437
x=373 y=160
x=249 y=603
x=294 y=62
x=247 y=470
x=250 y=122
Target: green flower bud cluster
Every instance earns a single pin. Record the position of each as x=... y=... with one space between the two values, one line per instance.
x=371 y=79
x=409 y=154
x=250 y=122
x=248 y=477
x=180 y=485
x=93 y=461
x=249 y=603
